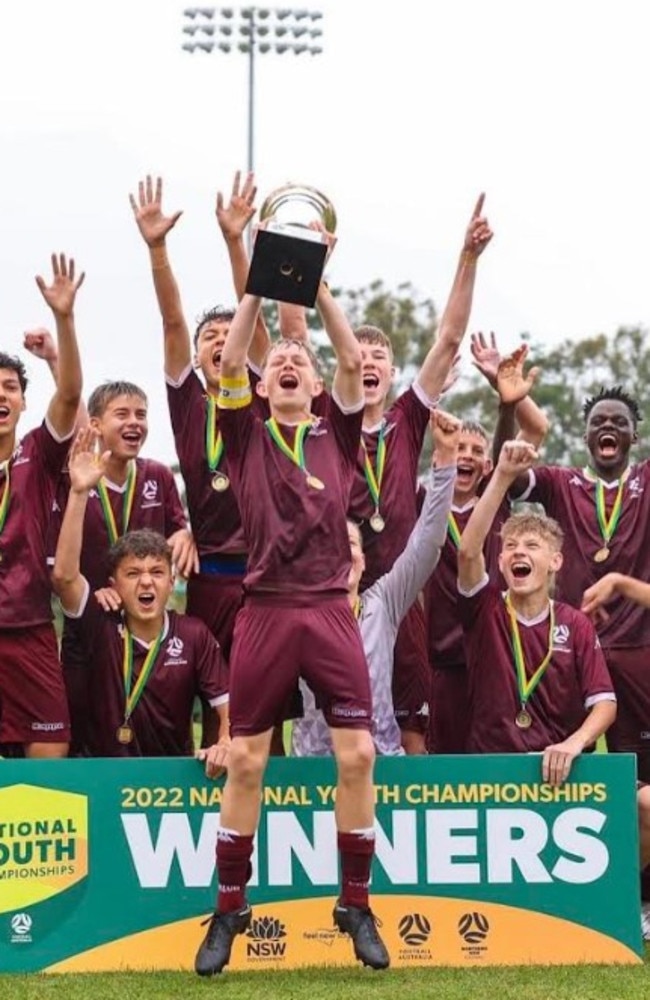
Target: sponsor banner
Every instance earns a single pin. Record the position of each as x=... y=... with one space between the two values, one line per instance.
x=109 y=864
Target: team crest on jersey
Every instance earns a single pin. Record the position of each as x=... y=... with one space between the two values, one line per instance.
x=150 y=489
x=575 y=481
x=561 y=635
x=634 y=487
x=18 y=458
x=175 y=647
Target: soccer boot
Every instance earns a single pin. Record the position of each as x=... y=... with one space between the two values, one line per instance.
x=361 y=924
x=214 y=950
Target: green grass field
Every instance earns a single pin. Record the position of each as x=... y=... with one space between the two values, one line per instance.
x=535 y=983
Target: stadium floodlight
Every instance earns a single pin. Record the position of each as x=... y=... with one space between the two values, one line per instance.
x=253 y=30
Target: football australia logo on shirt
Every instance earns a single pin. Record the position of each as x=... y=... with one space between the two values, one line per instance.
x=174 y=652
x=150 y=493
x=561 y=637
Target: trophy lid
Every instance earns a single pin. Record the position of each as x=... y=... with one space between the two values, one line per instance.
x=298 y=205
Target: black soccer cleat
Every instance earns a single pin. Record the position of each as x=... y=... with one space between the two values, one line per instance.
x=214 y=951
x=361 y=924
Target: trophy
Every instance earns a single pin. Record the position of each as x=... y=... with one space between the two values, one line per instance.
x=288 y=256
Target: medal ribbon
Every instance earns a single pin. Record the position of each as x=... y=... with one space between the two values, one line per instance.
x=132 y=695
x=127 y=504
x=453 y=530
x=525 y=685
x=6 y=494
x=297 y=453
x=609 y=524
x=375 y=476
x=213 y=441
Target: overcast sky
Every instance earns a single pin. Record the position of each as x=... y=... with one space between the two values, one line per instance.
x=412 y=109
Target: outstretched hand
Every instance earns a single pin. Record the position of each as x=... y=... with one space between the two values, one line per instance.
x=478 y=233
x=86 y=465
x=235 y=216
x=511 y=383
x=148 y=213
x=61 y=293
x=486 y=356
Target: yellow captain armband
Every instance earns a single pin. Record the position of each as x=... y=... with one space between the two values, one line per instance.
x=234 y=393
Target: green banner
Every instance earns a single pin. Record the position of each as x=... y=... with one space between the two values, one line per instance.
x=108 y=864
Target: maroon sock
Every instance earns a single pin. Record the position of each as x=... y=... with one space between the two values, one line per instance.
x=356 y=850
x=234 y=852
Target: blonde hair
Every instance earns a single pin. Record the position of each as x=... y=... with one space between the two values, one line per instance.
x=538 y=524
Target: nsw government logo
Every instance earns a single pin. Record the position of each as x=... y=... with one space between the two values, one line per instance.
x=473 y=929
x=267 y=935
x=415 y=931
x=21 y=925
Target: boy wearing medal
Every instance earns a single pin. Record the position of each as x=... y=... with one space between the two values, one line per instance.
x=148 y=667
x=544 y=684
x=292 y=476
x=133 y=493
x=33 y=706
x=604 y=510
x=214 y=593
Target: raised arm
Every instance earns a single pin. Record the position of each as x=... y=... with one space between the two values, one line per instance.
x=233 y=218
x=347 y=386
x=515 y=459
x=86 y=469
x=60 y=296
x=238 y=340
x=455 y=317
x=154 y=227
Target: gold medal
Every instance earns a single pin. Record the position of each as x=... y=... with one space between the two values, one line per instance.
x=602 y=554
x=523 y=720
x=315 y=483
x=220 y=482
x=124 y=734
x=377 y=522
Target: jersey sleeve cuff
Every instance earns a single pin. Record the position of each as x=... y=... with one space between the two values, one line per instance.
x=352 y=408
x=83 y=603
x=176 y=383
x=429 y=401
x=476 y=589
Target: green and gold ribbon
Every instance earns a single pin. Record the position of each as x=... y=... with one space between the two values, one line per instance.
x=526 y=685
x=608 y=525
x=374 y=476
x=133 y=692
x=6 y=496
x=213 y=441
x=297 y=452
x=127 y=504
x=453 y=530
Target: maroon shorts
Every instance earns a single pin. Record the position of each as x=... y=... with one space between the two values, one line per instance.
x=216 y=599
x=411 y=673
x=33 y=704
x=630 y=672
x=274 y=645
x=449 y=710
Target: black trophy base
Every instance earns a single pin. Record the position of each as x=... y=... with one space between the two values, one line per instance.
x=286 y=268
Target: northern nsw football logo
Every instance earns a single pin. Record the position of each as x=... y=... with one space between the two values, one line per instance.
x=473 y=927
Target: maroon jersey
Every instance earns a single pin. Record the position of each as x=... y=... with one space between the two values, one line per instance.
x=575 y=679
x=34 y=471
x=297 y=535
x=444 y=629
x=189 y=663
x=569 y=496
x=214 y=515
x=404 y=423
x=156 y=505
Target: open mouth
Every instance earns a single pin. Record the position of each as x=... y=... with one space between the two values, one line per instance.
x=4 y=412
x=132 y=437
x=288 y=381
x=216 y=356
x=464 y=472
x=146 y=600
x=370 y=382
x=608 y=443
x=521 y=570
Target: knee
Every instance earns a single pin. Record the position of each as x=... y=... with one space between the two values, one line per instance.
x=356 y=759
x=245 y=766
